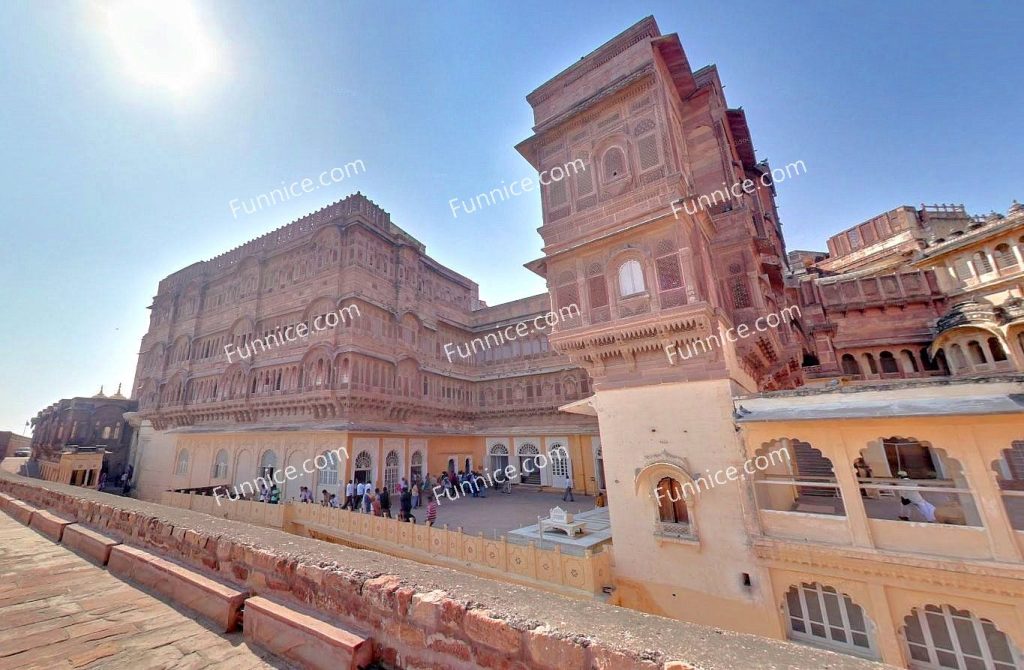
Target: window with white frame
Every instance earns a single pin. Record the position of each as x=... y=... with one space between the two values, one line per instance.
x=631 y=279
x=328 y=468
x=822 y=616
x=220 y=465
x=181 y=468
x=391 y=470
x=945 y=637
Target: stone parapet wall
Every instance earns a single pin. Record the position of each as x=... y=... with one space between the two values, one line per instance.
x=583 y=574
x=419 y=616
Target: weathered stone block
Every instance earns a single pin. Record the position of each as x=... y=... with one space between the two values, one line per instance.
x=494 y=633
x=303 y=639
x=48 y=524
x=88 y=543
x=213 y=600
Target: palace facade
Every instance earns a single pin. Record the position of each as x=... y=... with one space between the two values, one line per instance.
x=387 y=386
x=75 y=439
x=892 y=530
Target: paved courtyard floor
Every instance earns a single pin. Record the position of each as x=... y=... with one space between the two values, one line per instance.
x=515 y=516
x=57 y=610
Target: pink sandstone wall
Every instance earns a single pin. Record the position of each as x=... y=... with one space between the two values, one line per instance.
x=419 y=616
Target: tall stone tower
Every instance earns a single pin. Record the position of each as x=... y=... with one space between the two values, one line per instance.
x=669 y=243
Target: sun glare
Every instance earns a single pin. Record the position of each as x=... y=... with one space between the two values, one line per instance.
x=161 y=44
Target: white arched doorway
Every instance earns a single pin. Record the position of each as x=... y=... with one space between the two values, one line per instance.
x=498 y=457
x=391 y=468
x=529 y=472
x=560 y=464
x=363 y=468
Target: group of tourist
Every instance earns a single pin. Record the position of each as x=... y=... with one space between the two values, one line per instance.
x=365 y=498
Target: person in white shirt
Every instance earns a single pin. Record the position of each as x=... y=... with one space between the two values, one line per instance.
x=350 y=491
x=908 y=498
x=360 y=491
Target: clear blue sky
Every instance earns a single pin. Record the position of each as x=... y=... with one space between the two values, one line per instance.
x=113 y=182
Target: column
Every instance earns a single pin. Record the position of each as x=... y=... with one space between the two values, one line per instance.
x=987 y=497
x=886 y=629
x=842 y=464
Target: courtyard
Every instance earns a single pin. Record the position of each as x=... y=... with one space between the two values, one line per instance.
x=515 y=516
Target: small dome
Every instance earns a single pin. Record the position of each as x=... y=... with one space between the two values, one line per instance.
x=100 y=394
x=1016 y=207
x=117 y=394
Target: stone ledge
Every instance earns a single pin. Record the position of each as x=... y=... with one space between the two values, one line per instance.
x=50 y=525
x=20 y=511
x=90 y=544
x=217 y=602
x=304 y=639
x=417 y=612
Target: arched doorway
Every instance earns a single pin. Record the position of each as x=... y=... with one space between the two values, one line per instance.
x=529 y=473
x=391 y=463
x=362 y=468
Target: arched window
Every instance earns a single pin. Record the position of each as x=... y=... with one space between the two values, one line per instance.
x=976 y=353
x=821 y=615
x=416 y=466
x=614 y=163
x=946 y=637
x=995 y=347
x=220 y=465
x=850 y=365
x=671 y=503
x=499 y=457
x=181 y=466
x=888 y=362
x=328 y=468
x=1005 y=257
x=981 y=263
x=391 y=471
x=268 y=463
x=363 y=467
x=631 y=278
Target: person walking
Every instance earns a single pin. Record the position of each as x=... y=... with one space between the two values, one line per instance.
x=416 y=494
x=275 y=495
x=357 y=503
x=406 y=502
x=367 y=493
x=376 y=506
x=568 y=492
x=350 y=492
x=385 y=502
x=431 y=510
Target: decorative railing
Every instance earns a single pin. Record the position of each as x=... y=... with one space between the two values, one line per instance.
x=588 y=572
